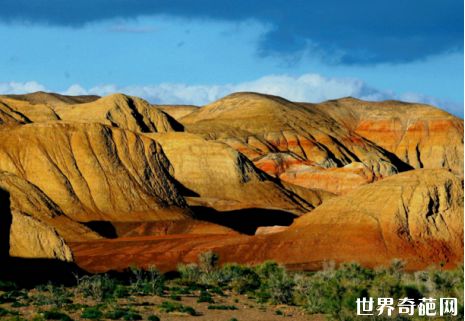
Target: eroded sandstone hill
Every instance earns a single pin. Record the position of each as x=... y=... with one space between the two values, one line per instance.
x=299 y=145
x=415 y=133
x=361 y=180
x=224 y=179
x=93 y=172
x=415 y=216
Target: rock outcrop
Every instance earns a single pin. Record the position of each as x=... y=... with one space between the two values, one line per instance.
x=226 y=179
x=421 y=135
x=94 y=172
x=13 y=112
x=277 y=134
x=120 y=111
x=35 y=226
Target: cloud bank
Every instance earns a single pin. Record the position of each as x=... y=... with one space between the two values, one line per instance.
x=304 y=88
x=354 y=32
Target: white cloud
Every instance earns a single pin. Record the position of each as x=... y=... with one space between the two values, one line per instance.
x=13 y=87
x=307 y=87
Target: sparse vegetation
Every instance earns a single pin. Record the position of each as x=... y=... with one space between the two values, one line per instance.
x=331 y=291
x=169 y=307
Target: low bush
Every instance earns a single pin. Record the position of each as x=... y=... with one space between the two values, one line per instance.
x=205 y=297
x=115 y=314
x=239 y=278
x=189 y=273
x=132 y=316
x=175 y=297
x=5 y=312
x=276 y=285
x=149 y=281
x=98 y=287
x=208 y=261
x=92 y=313
x=56 y=315
x=168 y=307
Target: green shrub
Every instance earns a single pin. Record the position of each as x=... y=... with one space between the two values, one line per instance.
x=177 y=307
x=115 y=314
x=122 y=313
x=92 y=313
x=73 y=307
x=13 y=296
x=276 y=284
x=132 y=316
x=189 y=273
x=205 y=297
x=56 y=315
x=98 y=287
x=175 y=297
x=323 y=294
x=240 y=279
x=18 y=304
x=208 y=261
x=212 y=279
x=153 y=318
x=58 y=296
x=121 y=291
x=146 y=282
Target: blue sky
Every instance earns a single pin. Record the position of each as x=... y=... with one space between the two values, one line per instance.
x=183 y=51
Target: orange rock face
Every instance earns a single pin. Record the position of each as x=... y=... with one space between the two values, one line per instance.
x=420 y=135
